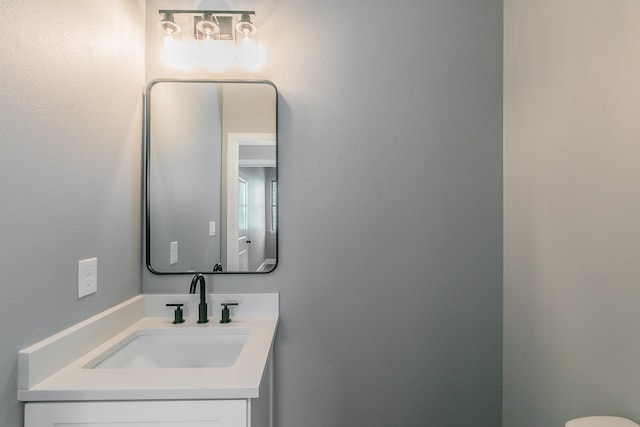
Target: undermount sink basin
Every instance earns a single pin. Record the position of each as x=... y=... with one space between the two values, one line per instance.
x=174 y=348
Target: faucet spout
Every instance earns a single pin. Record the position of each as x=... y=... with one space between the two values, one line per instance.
x=202 y=307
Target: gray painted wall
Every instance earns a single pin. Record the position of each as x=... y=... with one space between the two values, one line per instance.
x=572 y=229
x=186 y=150
x=70 y=167
x=390 y=262
x=390 y=180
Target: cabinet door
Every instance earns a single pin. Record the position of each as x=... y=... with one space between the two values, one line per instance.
x=199 y=413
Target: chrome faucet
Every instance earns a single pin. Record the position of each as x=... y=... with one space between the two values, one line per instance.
x=202 y=307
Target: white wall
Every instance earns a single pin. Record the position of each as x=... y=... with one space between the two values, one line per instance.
x=71 y=85
x=572 y=210
x=390 y=261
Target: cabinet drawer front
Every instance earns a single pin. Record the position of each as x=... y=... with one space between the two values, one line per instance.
x=198 y=413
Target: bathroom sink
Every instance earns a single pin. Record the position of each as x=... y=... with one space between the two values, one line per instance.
x=133 y=351
x=174 y=348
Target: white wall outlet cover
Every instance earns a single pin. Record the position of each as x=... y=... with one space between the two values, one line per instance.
x=87 y=277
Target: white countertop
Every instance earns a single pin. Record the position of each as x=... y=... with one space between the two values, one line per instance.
x=256 y=312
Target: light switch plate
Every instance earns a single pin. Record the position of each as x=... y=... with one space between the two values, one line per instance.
x=87 y=277
x=173 y=253
x=212 y=228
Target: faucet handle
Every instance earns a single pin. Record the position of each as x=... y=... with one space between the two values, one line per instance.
x=178 y=314
x=225 y=311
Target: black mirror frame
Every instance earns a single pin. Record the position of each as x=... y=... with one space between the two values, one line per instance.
x=146 y=175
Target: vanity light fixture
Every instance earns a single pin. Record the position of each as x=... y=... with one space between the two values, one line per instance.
x=168 y=25
x=221 y=39
x=212 y=24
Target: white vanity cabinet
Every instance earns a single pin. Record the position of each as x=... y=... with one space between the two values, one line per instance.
x=189 y=413
x=157 y=413
x=62 y=385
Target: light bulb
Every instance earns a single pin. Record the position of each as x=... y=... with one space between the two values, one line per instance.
x=245 y=26
x=168 y=25
x=207 y=26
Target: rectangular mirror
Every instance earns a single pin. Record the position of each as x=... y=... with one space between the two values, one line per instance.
x=211 y=176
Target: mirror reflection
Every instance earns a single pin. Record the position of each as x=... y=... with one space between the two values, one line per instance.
x=211 y=177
